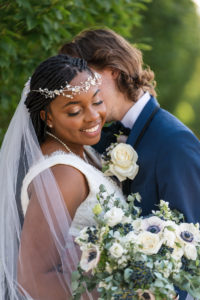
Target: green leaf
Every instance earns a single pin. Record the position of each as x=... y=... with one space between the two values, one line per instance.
x=170 y=228
x=108 y=279
x=105 y=168
x=58 y=14
x=178 y=245
x=74 y=285
x=75 y=275
x=31 y=22
x=130 y=198
x=102 y=188
x=127 y=273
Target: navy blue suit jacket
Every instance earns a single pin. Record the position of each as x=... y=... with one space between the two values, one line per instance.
x=169 y=163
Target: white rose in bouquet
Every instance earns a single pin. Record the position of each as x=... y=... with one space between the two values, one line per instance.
x=114 y=216
x=177 y=252
x=150 y=243
x=190 y=251
x=169 y=238
x=116 y=250
x=131 y=237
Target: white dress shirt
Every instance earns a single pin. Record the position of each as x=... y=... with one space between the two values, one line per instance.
x=133 y=113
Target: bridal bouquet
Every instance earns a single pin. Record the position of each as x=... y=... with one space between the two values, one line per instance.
x=127 y=256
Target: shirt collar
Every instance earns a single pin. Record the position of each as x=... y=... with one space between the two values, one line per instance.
x=133 y=113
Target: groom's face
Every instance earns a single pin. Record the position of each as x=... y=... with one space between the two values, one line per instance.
x=110 y=94
x=116 y=102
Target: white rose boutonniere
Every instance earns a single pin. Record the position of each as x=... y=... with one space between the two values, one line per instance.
x=120 y=161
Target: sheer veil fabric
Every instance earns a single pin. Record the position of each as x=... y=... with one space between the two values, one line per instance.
x=20 y=150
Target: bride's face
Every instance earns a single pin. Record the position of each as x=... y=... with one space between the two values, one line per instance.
x=78 y=121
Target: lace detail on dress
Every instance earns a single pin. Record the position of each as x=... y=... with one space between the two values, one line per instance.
x=84 y=215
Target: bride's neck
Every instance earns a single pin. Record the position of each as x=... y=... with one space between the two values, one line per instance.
x=51 y=145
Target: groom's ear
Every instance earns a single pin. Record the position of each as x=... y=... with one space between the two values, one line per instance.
x=115 y=73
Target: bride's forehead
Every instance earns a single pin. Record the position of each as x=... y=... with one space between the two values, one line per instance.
x=83 y=97
x=80 y=77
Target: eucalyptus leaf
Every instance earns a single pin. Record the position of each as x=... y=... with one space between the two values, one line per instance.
x=75 y=275
x=74 y=285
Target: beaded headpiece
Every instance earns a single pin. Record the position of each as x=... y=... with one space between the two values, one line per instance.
x=74 y=89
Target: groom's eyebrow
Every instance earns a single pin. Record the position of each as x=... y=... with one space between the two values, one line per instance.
x=77 y=102
x=96 y=93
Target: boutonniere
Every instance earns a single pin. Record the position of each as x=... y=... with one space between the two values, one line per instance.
x=120 y=160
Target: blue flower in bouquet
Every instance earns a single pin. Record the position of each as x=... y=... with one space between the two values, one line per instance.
x=188 y=233
x=153 y=224
x=90 y=257
x=188 y=236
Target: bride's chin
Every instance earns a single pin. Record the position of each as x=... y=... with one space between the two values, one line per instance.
x=92 y=141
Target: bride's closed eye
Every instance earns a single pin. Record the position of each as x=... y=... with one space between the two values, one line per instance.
x=72 y=114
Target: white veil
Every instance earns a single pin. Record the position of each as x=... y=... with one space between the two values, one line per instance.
x=20 y=150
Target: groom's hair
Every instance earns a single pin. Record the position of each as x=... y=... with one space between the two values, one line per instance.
x=52 y=74
x=103 y=48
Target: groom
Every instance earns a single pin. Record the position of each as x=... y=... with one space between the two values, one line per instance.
x=168 y=152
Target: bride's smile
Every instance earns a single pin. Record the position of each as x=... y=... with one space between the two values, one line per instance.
x=92 y=130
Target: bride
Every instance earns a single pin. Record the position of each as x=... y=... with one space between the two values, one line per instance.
x=49 y=179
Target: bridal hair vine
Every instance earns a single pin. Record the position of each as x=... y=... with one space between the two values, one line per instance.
x=74 y=89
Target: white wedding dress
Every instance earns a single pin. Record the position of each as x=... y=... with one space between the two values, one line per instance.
x=84 y=215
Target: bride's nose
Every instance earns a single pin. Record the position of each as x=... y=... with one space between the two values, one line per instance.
x=91 y=114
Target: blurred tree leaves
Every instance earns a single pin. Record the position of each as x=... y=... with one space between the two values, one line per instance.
x=172 y=29
x=32 y=30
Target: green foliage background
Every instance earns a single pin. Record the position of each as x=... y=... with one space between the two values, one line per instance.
x=167 y=31
x=172 y=29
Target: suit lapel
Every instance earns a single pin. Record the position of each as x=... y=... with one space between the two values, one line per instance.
x=138 y=130
x=143 y=122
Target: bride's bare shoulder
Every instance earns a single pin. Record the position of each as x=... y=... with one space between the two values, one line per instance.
x=73 y=186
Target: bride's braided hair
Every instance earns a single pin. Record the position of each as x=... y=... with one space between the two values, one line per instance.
x=103 y=48
x=51 y=74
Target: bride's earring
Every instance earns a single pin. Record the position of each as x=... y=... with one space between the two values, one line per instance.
x=50 y=125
